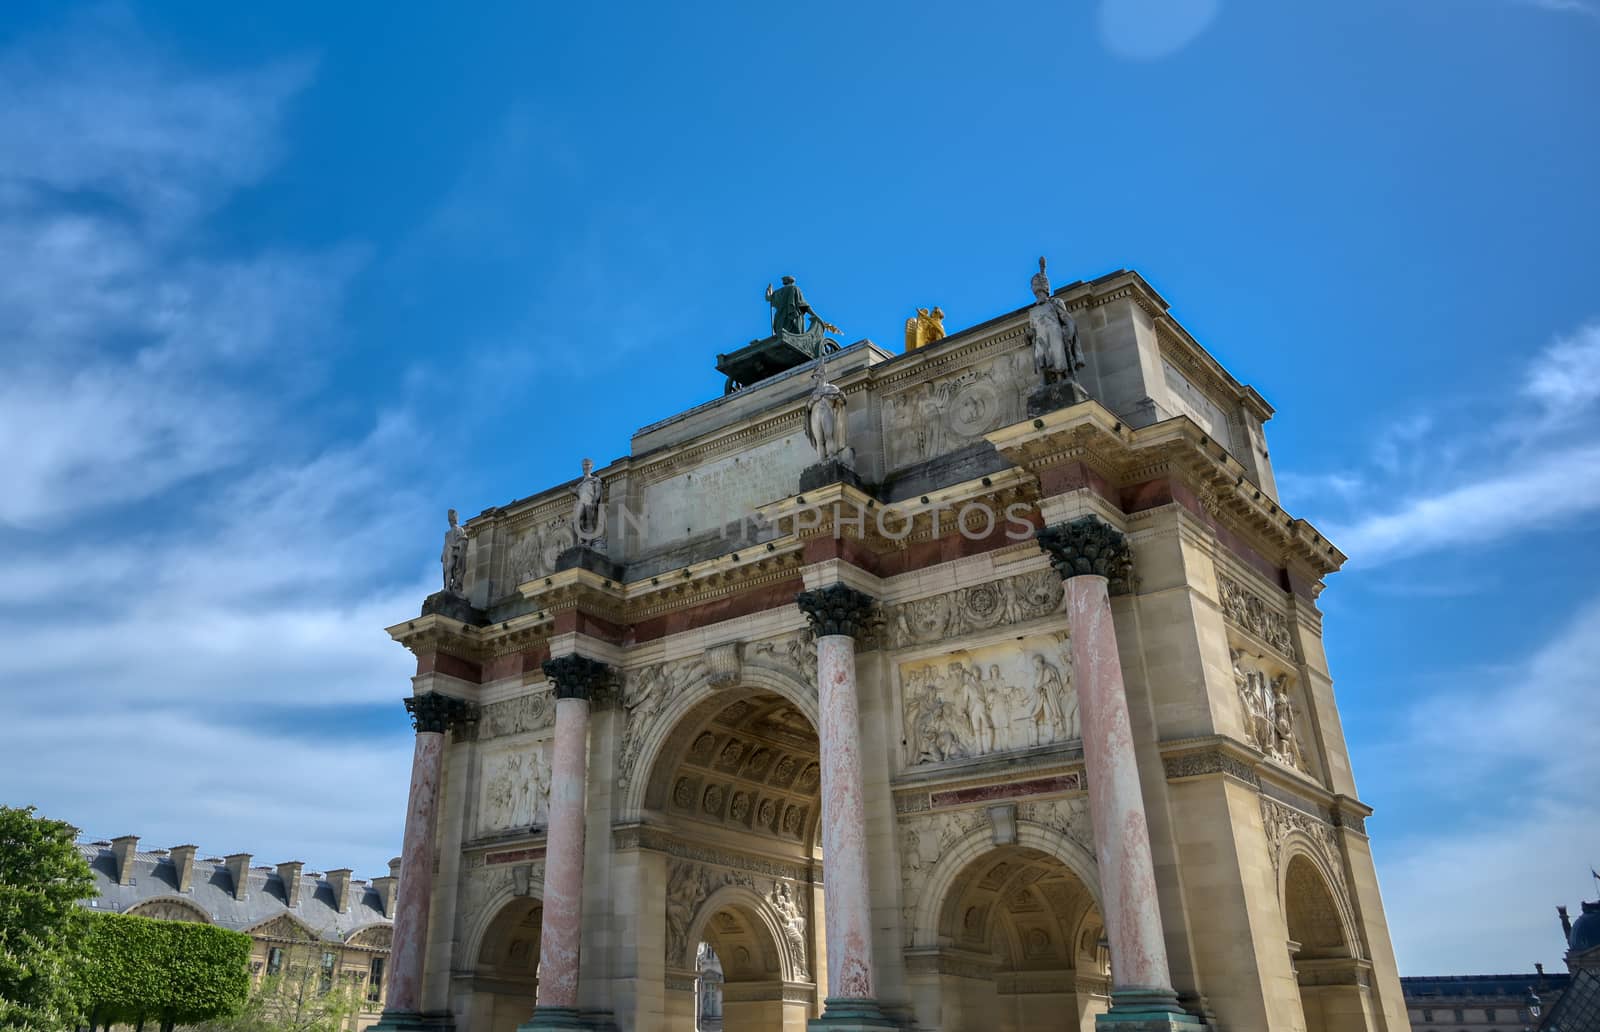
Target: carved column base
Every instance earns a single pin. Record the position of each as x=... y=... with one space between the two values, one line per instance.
x=1047 y=397
x=413 y=1021
x=554 y=1019
x=851 y=1015
x=1147 y=1010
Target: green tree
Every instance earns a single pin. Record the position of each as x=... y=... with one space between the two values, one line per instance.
x=42 y=926
x=137 y=969
x=303 y=994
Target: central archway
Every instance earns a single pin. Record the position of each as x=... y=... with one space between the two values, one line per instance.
x=736 y=787
x=1019 y=946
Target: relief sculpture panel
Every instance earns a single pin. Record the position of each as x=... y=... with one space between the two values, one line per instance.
x=1001 y=698
x=514 y=788
x=1270 y=718
x=1003 y=602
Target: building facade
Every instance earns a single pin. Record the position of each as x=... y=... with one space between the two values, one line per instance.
x=341 y=925
x=976 y=687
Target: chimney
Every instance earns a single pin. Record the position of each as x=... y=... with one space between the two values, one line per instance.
x=1539 y=968
x=124 y=848
x=183 y=864
x=339 y=882
x=384 y=887
x=289 y=874
x=239 y=868
x=1566 y=922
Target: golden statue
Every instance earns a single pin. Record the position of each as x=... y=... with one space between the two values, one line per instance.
x=924 y=328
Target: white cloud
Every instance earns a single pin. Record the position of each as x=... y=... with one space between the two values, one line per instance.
x=1564 y=6
x=1549 y=492
x=1472 y=471
x=197 y=575
x=1145 y=30
x=1523 y=733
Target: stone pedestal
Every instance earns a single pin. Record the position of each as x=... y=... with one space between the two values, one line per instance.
x=432 y=714
x=575 y=678
x=1047 y=397
x=840 y=470
x=837 y=614
x=1091 y=557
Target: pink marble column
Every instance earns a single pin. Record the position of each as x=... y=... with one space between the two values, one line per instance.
x=432 y=713
x=837 y=615
x=1091 y=556
x=561 y=932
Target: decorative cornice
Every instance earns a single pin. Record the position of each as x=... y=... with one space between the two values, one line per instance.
x=577 y=677
x=434 y=712
x=1213 y=760
x=837 y=609
x=1089 y=546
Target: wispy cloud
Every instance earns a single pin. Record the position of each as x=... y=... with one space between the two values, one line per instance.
x=1449 y=476
x=1522 y=729
x=197 y=574
x=1580 y=7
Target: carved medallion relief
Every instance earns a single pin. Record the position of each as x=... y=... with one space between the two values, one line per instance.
x=996 y=699
x=1003 y=602
x=938 y=416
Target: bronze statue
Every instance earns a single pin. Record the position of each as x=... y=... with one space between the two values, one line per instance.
x=789 y=309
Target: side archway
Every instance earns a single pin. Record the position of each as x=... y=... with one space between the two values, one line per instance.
x=1331 y=977
x=504 y=978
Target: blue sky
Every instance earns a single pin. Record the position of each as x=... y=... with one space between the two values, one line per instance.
x=279 y=289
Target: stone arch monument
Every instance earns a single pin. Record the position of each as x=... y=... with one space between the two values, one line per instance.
x=1012 y=714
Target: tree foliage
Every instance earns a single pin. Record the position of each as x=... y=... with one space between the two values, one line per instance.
x=296 y=998
x=176 y=972
x=42 y=926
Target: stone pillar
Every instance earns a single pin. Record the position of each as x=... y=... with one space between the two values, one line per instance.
x=1094 y=560
x=432 y=714
x=575 y=678
x=838 y=614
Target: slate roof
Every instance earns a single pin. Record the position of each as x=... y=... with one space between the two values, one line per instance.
x=155 y=877
x=1425 y=989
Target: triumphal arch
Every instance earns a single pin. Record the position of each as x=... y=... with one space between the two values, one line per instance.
x=979 y=686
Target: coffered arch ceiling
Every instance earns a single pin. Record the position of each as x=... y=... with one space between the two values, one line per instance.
x=1027 y=910
x=745 y=761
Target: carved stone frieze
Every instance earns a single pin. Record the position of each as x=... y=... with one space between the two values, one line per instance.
x=997 y=699
x=998 y=603
x=925 y=837
x=1070 y=817
x=1251 y=612
x=1280 y=821
x=794 y=654
x=534 y=553
x=532 y=712
x=1209 y=761
x=645 y=695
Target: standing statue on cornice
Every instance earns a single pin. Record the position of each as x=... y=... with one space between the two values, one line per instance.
x=453 y=559
x=825 y=419
x=1053 y=334
x=588 y=522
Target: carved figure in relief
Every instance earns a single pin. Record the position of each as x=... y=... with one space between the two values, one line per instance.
x=588 y=521
x=980 y=722
x=1000 y=710
x=1269 y=716
x=1053 y=333
x=453 y=559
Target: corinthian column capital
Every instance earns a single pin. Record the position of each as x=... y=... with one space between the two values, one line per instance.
x=577 y=677
x=836 y=609
x=1089 y=546
x=437 y=713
